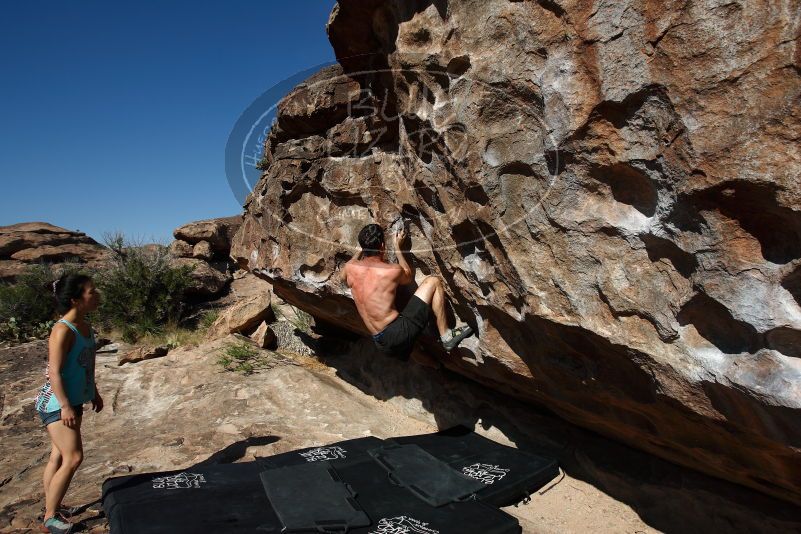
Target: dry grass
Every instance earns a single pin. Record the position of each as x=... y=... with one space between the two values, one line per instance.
x=171 y=335
x=305 y=361
x=293 y=350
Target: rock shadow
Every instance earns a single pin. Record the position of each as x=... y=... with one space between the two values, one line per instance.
x=668 y=497
x=236 y=451
x=228 y=455
x=715 y=323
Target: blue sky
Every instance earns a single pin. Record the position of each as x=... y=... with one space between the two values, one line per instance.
x=114 y=116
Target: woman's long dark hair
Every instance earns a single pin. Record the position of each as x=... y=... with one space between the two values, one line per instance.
x=67 y=287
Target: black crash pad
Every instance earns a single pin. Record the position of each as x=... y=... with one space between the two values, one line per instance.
x=230 y=498
x=393 y=509
x=338 y=454
x=311 y=497
x=430 y=479
x=509 y=475
x=225 y=498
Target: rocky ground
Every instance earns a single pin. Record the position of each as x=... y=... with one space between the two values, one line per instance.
x=182 y=409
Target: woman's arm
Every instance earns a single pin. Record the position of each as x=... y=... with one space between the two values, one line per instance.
x=58 y=348
x=97 y=401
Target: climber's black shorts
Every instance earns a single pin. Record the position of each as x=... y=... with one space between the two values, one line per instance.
x=398 y=337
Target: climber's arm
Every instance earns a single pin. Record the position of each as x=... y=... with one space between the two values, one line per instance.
x=343 y=273
x=407 y=276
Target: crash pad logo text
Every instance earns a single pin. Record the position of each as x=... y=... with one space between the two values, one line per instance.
x=324 y=453
x=486 y=473
x=402 y=525
x=179 y=481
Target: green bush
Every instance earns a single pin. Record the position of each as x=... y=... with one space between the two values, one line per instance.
x=141 y=292
x=263 y=164
x=27 y=306
x=207 y=319
x=28 y=300
x=300 y=319
x=241 y=358
x=10 y=330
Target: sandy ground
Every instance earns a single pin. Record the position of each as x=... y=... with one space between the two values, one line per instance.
x=575 y=506
x=178 y=410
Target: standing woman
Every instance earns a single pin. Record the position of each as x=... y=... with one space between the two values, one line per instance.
x=70 y=384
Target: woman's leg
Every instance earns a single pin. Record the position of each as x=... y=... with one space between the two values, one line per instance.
x=68 y=442
x=52 y=466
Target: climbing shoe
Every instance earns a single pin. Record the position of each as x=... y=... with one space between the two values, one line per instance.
x=68 y=511
x=452 y=338
x=64 y=512
x=57 y=525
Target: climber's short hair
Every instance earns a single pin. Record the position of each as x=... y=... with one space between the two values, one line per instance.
x=371 y=238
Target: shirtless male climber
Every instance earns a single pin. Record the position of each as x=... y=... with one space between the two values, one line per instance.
x=374 y=281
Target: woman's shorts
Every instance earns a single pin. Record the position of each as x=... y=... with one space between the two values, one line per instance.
x=55 y=415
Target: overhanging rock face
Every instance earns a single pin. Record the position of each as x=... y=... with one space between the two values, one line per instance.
x=610 y=191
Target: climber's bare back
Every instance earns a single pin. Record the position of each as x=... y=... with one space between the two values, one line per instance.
x=373 y=284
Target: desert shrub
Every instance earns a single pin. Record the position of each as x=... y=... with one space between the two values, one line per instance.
x=263 y=164
x=27 y=306
x=141 y=291
x=300 y=319
x=207 y=319
x=241 y=358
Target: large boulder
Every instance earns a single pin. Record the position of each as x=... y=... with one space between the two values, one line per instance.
x=206 y=280
x=216 y=234
x=29 y=243
x=243 y=317
x=613 y=203
x=206 y=245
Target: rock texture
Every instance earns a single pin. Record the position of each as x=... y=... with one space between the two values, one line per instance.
x=210 y=237
x=23 y=244
x=140 y=354
x=610 y=191
x=208 y=280
x=264 y=336
x=243 y=317
x=205 y=245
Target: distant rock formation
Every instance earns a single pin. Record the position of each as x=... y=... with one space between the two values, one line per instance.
x=24 y=244
x=205 y=245
x=610 y=192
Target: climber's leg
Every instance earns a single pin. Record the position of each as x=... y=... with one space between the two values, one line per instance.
x=432 y=293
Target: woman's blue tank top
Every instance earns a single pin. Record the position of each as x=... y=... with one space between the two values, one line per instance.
x=77 y=373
